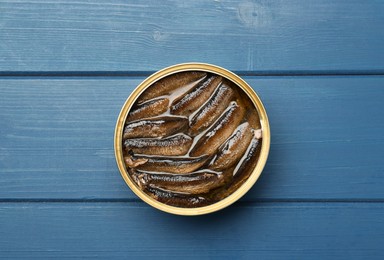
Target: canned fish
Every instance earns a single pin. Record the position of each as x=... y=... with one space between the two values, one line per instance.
x=192 y=139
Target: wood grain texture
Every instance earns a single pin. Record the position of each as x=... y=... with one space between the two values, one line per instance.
x=327 y=143
x=266 y=230
x=321 y=194
x=264 y=36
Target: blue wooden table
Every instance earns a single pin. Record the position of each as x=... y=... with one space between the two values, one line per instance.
x=66 y=68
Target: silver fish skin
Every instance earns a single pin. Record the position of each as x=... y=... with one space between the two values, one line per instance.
x=233 y=149
x=178 y=144
x=212 y=109
x=195 y=97
x=180 y=165
x=155 y=127
x=192 y=183
x=243 y=170
x=219 y=131
x=151 y=108
x=250 y=158
x=170 y=83
x=177 y=199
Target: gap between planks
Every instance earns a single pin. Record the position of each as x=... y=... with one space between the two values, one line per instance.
x=239 y=203
x=293 y=73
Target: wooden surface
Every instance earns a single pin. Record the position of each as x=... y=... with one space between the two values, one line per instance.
x=66 y=68
x=147 y=35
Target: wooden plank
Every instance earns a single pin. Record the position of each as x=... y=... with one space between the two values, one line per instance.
x=56 y=138
x=342 y=231
x=264 y=36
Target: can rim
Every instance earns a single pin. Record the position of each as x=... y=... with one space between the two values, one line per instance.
x=244 y=188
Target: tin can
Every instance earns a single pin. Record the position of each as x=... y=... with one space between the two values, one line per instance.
x=185 y=67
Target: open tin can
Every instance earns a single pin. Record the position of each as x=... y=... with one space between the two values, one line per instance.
x=184 y=166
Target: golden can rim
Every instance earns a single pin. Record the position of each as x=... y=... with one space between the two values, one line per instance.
x=244 y=188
